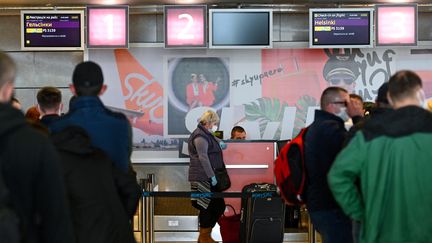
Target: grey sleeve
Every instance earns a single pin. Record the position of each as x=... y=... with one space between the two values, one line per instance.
x=201 y=146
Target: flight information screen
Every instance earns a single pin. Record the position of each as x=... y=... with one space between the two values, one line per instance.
x=345 y=28
x=52 y=30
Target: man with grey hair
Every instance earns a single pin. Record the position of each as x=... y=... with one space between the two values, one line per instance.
x=323 y=141
x=30 y=170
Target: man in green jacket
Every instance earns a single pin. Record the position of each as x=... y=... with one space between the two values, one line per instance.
x=391 y=160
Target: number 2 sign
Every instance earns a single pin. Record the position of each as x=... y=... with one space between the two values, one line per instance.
x=185 y=26
x=107 y=26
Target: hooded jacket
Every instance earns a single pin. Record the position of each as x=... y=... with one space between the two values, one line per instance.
x=392 y=157
x=30 y=166
x=102 y=198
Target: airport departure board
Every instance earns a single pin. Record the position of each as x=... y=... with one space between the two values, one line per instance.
x=52 y=30
x=341 y=28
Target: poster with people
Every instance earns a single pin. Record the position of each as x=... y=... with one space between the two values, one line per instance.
x=194 y=82
x=272 y=93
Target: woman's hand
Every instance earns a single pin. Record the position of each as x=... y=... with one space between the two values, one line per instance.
x=223 y=145
x=213 y=180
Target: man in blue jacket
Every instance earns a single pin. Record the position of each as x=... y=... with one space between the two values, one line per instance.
x=323 y=141
x=108 y=130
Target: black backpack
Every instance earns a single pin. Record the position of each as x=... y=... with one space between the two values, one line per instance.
x=9 y=220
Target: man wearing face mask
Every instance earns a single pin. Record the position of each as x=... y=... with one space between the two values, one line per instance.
x=391 y=157
x=323 y=141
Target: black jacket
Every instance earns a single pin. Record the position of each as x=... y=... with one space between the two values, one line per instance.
x=377 y=112
x=102 y=198
x=47 y=120
x=30 y=166
x=324 y=140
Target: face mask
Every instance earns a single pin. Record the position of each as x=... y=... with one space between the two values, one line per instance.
x=421 y=97
x=213 y=129
x=343 y=114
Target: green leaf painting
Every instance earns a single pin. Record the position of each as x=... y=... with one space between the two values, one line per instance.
x=302 y=106
x=266 y=110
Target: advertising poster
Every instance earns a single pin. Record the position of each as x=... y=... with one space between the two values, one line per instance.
x=271 y=93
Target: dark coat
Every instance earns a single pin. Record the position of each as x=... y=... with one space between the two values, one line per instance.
x=109 y=131
x=31 y=171
x=324 y=140
x=102 y=198
x=47 y=120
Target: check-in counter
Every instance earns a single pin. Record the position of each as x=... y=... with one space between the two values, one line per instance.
x=175 y=220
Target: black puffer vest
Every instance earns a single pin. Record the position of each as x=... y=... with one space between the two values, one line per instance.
x=214 y=152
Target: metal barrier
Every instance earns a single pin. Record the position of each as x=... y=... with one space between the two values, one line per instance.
x=148 y=210
x=148 y=206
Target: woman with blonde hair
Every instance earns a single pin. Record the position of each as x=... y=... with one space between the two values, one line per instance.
x=205 y=156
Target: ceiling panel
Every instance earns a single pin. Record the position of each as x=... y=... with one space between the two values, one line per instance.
x=162 y=2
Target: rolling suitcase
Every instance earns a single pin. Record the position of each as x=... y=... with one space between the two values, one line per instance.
x=262 y=216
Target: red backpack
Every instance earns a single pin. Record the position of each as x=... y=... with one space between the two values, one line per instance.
x=290 y=171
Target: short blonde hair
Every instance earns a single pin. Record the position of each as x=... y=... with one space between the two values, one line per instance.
x=209 y=117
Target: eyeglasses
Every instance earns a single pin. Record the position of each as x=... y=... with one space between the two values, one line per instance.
x=340 y=103
x=338 y=81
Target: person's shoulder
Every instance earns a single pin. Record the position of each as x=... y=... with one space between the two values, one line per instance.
x=330 y=124
x=115 y=115
x=27 y=136
x=61 y=122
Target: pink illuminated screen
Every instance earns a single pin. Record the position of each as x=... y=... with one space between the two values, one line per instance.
x=396 y=25
x=185 y=26
x=107 y=27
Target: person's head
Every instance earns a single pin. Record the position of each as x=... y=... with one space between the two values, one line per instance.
x=15 y=103
x=202 y=77
x=335 y=100
x=238 y=132
x=209 y=119
x=49 y=101
x=342 y=71
x=404 y=89
x=87 y=80
x=356 y=97
x=7 y=77
x=381 y=99
x=194 y=78
x=32 y=114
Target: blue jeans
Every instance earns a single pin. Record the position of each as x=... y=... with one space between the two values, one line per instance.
x=333 y=225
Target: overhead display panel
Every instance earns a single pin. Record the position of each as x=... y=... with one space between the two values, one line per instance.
x=241 y=28
x=340 y=28
x=396 y=25
x=185 y=26
x=108 y=26
x=52 y=30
